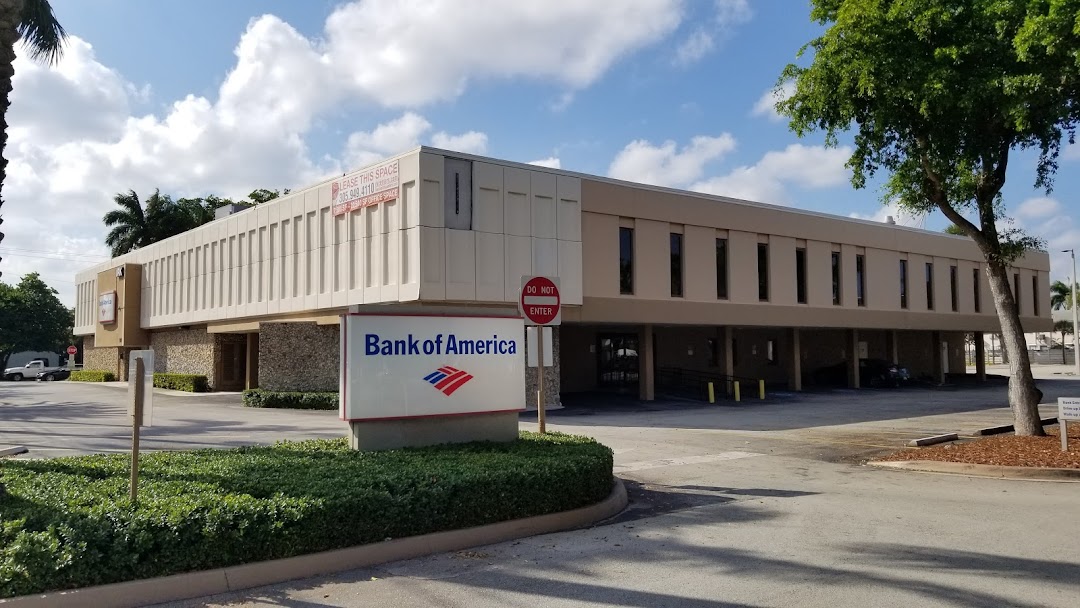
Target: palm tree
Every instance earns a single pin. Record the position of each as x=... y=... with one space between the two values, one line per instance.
x=33 y=22
x=1060 y=296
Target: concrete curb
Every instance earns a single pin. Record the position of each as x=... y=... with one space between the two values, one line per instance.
x=234 y=578
x=1009 y=428
x=983 y=470
x=934 y=440
x=13 y=450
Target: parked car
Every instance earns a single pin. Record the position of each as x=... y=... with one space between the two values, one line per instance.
x=30 y=370
x=873 y=373
x=55 y=374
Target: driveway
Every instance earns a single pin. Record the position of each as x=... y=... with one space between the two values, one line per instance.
x=69 y=418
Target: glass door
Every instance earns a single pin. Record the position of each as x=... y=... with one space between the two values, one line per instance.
x=617 y=361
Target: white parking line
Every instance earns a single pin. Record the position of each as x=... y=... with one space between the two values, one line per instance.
x=674 y=462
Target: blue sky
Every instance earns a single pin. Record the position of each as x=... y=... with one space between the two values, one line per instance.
x=277 y=94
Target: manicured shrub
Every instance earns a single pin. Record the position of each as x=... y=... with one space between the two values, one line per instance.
x=92 y=375
x=192 y=383
x=258 y=397
x=68 y=522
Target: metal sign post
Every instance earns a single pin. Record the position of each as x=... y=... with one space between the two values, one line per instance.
x=136 y=422
x=541 y=304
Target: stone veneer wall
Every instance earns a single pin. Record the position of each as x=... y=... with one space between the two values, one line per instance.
x=184 y=352
x=551 y=377
x=299 y=357
x=104 y=359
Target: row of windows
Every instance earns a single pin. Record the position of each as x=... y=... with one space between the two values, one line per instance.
x=626 y=275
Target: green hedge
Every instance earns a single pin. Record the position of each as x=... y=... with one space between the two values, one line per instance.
x=297 y=401
x=192 y=383
x=92 y=375
x=68 y=522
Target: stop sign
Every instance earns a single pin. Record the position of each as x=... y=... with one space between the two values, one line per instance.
x=539 y=301
x=71 y=350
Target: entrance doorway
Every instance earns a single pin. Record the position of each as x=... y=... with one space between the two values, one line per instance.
x=617 y=361
x=232 y=374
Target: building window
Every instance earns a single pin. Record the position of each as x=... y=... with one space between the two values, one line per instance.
x=721 y=269
x=458 y=193
x=626 y=261
x=953 y=289
x=763 y=272
x=714 y=352
x=734 y=353
x=770 y=352
x=903 y=283
x=1035 y=295
x=929 y=286
x=860 y=280
x=676 y=266
x=1016 y=292
x=800 y=275
x=836 y=278
x=975 y=276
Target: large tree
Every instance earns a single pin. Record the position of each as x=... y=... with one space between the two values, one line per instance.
x=136 y=225
x=1060 y=296
x=33 y=22
x=32 y=318
x=939 y=94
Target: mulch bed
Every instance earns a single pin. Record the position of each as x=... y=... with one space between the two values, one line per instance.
x=1004 y=450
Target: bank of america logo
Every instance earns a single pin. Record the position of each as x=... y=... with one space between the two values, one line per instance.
x=448 y=379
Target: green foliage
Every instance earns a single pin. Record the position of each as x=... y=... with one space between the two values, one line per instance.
x=92 y=375
x=939 y=92
x=41 y=33
x=954 y=230
x=68 y=522
x=32 y=318
x=1061 y=295
x=290 y=400
x=192 y=383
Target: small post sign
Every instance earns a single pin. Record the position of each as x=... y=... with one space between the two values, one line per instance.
x=140 y=405
x=541 y=305
x=1068 y=409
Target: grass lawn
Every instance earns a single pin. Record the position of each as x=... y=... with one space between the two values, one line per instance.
x=68 y=522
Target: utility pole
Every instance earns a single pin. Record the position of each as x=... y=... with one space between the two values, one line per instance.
x=1076 y=342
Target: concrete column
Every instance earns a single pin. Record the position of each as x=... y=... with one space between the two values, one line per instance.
x=892 y=350
x=980 y=357
x=646 y=366
x=251 y=367
x=795 y=361
x=728 y=338
x=853 y=358
x=939 y=362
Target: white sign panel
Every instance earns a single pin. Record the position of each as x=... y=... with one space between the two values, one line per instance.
x=148 y=384
x=415 y=366
x=107 y=307
x=1068 y=408
x=531 y=342
x=365 y=188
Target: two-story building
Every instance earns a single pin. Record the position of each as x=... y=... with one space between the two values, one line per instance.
x=653 y=280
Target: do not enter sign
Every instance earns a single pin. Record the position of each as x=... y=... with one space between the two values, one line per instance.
x=71 y=350
x=539 y=301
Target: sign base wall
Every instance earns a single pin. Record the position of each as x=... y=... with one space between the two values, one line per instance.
x=419 y=432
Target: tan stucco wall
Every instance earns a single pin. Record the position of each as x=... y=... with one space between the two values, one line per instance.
x=655 y=213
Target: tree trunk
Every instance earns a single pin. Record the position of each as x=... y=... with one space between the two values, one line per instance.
x=1024 y=396
x=10 y=15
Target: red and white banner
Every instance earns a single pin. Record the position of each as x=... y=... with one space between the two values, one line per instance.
x=364 y=188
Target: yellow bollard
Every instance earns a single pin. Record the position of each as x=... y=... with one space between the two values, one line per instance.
x=761 y=388
x=737 y=390
x=712 y=395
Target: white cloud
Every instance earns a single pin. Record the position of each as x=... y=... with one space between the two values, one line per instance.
x=767 y=180
x=550 y=162
x=472 y=142
x=726 y=15
x=902 y=217
x=665 y=165
x=1071 y=152
x=766 y=104
x=1038 y=207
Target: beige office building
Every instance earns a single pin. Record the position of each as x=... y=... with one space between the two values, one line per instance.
x=661 y=288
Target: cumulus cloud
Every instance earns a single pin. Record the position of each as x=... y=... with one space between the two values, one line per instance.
x=1038 y=207
x=550 y=162
x=726 y=14
x=766 y=104
x=1071 y=152
x=665 y=164
x=472 y=142
x=767 y=180
x=403 y=133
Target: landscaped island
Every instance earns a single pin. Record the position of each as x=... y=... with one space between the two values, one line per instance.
x=68 y=522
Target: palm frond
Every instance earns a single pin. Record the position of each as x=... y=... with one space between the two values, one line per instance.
x=40 y=31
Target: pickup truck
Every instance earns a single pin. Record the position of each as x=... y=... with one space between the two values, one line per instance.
x=28 y=371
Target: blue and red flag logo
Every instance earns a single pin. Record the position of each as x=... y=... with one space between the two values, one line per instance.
x=448 y=379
